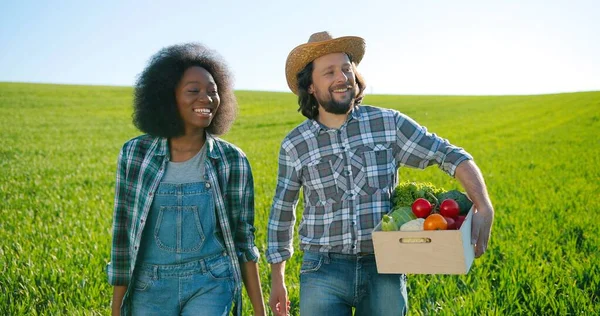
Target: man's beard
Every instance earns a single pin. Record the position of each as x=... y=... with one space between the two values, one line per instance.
x=337 y=107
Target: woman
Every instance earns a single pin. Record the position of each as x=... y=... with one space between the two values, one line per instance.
x=183 y=232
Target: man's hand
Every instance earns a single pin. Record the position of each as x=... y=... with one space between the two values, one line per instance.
x=481 y=228
x=279 y=300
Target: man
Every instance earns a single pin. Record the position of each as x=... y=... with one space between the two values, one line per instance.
x=345 y=157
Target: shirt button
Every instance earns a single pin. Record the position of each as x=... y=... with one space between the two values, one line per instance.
x=150 y=194
x=353 y=246
x=353 y=223
x=343 y=148
x=208 y=185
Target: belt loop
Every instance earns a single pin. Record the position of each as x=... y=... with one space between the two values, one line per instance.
x=202 y=266
x=155 y=272
x=326 y=257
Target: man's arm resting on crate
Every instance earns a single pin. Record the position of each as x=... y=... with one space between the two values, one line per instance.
x=471 y=179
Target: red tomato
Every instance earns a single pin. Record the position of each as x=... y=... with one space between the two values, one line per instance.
x=451 y=223
x=421 y=207
x=449 y=208
x=435 y=222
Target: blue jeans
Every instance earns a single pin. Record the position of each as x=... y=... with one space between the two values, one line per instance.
x=332 y=284
x=201 y=287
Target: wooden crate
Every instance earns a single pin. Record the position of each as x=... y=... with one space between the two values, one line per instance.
x=425 y=252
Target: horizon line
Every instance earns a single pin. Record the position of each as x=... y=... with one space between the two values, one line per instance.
x=279 y=91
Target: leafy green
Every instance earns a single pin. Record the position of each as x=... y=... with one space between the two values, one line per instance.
x=407 y=192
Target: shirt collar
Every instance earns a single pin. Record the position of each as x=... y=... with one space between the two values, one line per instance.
x=210 y=143
x=355 y=114
x=161 y=147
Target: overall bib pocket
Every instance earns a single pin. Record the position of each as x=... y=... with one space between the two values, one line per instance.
x=178 y=229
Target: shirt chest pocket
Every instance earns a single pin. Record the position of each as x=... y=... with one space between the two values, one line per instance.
x=320 y=182
x=379 y=167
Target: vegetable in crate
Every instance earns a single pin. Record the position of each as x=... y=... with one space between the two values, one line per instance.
x=463 y=201
x=407 y=192
x=415 y=225
x=388 y=224
x=422 y=208
x=449 y=208
x=402 y=215
x=435 y=222
x=451 y=223
x=459 y=221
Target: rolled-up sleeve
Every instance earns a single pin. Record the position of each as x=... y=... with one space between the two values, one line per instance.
x=419 y=148
x=245 y=231
x=118 y=267
x=283 y=209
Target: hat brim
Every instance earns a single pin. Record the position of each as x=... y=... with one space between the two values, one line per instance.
x=302 y=55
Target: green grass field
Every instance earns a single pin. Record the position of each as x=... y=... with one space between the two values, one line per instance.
x=540 y=156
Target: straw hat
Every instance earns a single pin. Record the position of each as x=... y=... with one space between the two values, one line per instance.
x=320 y=44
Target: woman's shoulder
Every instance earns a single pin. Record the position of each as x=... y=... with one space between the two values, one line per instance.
x=142 y=144
x=227 y=149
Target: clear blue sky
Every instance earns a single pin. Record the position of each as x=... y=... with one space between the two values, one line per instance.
x=413 y=47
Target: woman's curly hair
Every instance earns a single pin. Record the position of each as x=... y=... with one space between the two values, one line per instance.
x=308 y=104
x=155 y=109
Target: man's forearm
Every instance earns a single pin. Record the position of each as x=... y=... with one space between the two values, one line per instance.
x=278 y=272
x=470 y=177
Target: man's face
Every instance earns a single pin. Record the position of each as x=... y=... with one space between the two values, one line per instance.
x=333 y=83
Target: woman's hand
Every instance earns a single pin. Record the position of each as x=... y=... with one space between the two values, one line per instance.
x=118 y=294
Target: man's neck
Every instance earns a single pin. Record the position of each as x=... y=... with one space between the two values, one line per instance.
x=331 y=120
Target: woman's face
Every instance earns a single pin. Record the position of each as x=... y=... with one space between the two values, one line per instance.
x=197 y=99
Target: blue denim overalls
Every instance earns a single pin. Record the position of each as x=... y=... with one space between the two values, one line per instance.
x=183 y=267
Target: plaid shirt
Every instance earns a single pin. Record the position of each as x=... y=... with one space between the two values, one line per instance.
x=142 y=162
x=347 y=176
